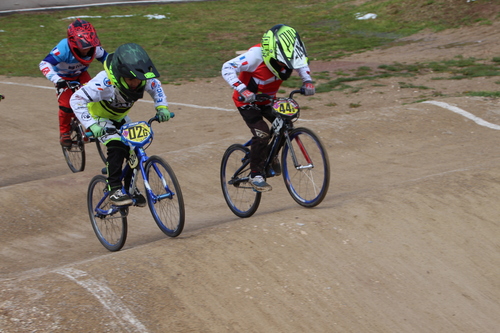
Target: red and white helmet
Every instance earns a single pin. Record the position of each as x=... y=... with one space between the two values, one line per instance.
x=81 y=37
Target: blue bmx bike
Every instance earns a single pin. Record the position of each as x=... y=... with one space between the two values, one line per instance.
x=162 y=191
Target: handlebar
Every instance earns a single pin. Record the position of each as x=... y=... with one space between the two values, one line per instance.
x=73 y=85
x=113 y=130
x=266 y=97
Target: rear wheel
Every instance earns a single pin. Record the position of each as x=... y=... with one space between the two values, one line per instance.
x=307 y=178
x=75 y=154
x=101 y=149
x=165 y=199
x=240 y=196
x=108 y=221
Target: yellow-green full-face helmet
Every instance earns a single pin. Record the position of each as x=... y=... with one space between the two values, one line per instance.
x=282 y=44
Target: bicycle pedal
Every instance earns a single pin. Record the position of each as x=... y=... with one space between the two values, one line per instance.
x=120 y=207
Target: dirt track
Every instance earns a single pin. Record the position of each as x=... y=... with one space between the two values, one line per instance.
x=407 y=240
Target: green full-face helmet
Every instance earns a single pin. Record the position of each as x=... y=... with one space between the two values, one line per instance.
x=130 y=61
x=282 y=43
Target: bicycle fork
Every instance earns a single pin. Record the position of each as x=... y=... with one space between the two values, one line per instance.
x=149 y=191
x=303 y=150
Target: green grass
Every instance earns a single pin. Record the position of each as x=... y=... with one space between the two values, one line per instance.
x=196 y=38
x=457 y=68
x=404 y=85
x=495 y=94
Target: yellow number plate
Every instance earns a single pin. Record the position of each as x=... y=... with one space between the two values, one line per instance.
x=285 y=107
x=137 y=133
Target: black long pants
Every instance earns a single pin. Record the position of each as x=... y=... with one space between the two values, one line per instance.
x=253 y=116
x=117 y=153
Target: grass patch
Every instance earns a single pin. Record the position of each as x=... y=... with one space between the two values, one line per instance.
x=495 y=94
x=194 y=39
x=457 y=68
x=404 y=85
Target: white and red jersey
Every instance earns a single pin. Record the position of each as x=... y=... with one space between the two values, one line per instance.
x=249 y=71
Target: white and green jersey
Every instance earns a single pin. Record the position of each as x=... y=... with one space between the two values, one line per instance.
x=99 y=99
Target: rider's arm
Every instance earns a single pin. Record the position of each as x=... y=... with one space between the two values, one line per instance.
x=47 y=67
x=95 y=90
x=155 y=90
x=304 y=73
x=307 y=88
x=57 y=57
x=100 y=54
x=246 y=62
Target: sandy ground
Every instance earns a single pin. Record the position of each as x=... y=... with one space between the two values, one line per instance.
x=407 y=239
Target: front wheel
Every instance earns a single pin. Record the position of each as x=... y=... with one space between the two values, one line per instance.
x=306 y=168
x=75 y=154
x=109 y=222
x=240 y=196
x=164 y=195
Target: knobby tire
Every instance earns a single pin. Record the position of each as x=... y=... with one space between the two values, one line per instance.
x=308 y=184
x=240 y=196
x=111 y=230
x=166 y=202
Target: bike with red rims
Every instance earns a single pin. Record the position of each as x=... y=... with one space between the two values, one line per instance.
x=296 y=153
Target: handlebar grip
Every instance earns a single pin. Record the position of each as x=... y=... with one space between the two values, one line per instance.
x=155 y=118
x=109 y=130
x=73 y=85
x=258 y=98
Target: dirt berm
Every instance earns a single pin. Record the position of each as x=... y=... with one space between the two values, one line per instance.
x=407 y=239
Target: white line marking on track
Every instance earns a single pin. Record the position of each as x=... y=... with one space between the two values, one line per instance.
x=444 y=105
x=108 y=299
x=464 y=113
x=145 y=101
x=27 y=85
x=192 y=106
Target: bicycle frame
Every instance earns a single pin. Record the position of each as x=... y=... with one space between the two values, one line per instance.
x=136 y=161
x=280 y=135
x=141 y=154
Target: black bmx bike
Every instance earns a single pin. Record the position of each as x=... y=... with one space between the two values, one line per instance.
x=75 y=154
x=303 y=162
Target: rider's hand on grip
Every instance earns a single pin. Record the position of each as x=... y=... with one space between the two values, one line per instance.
x=97 y=130
x=248 y=96
x=162 y=114
x=61 y=84
x=73 y=85
x=308 y=88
